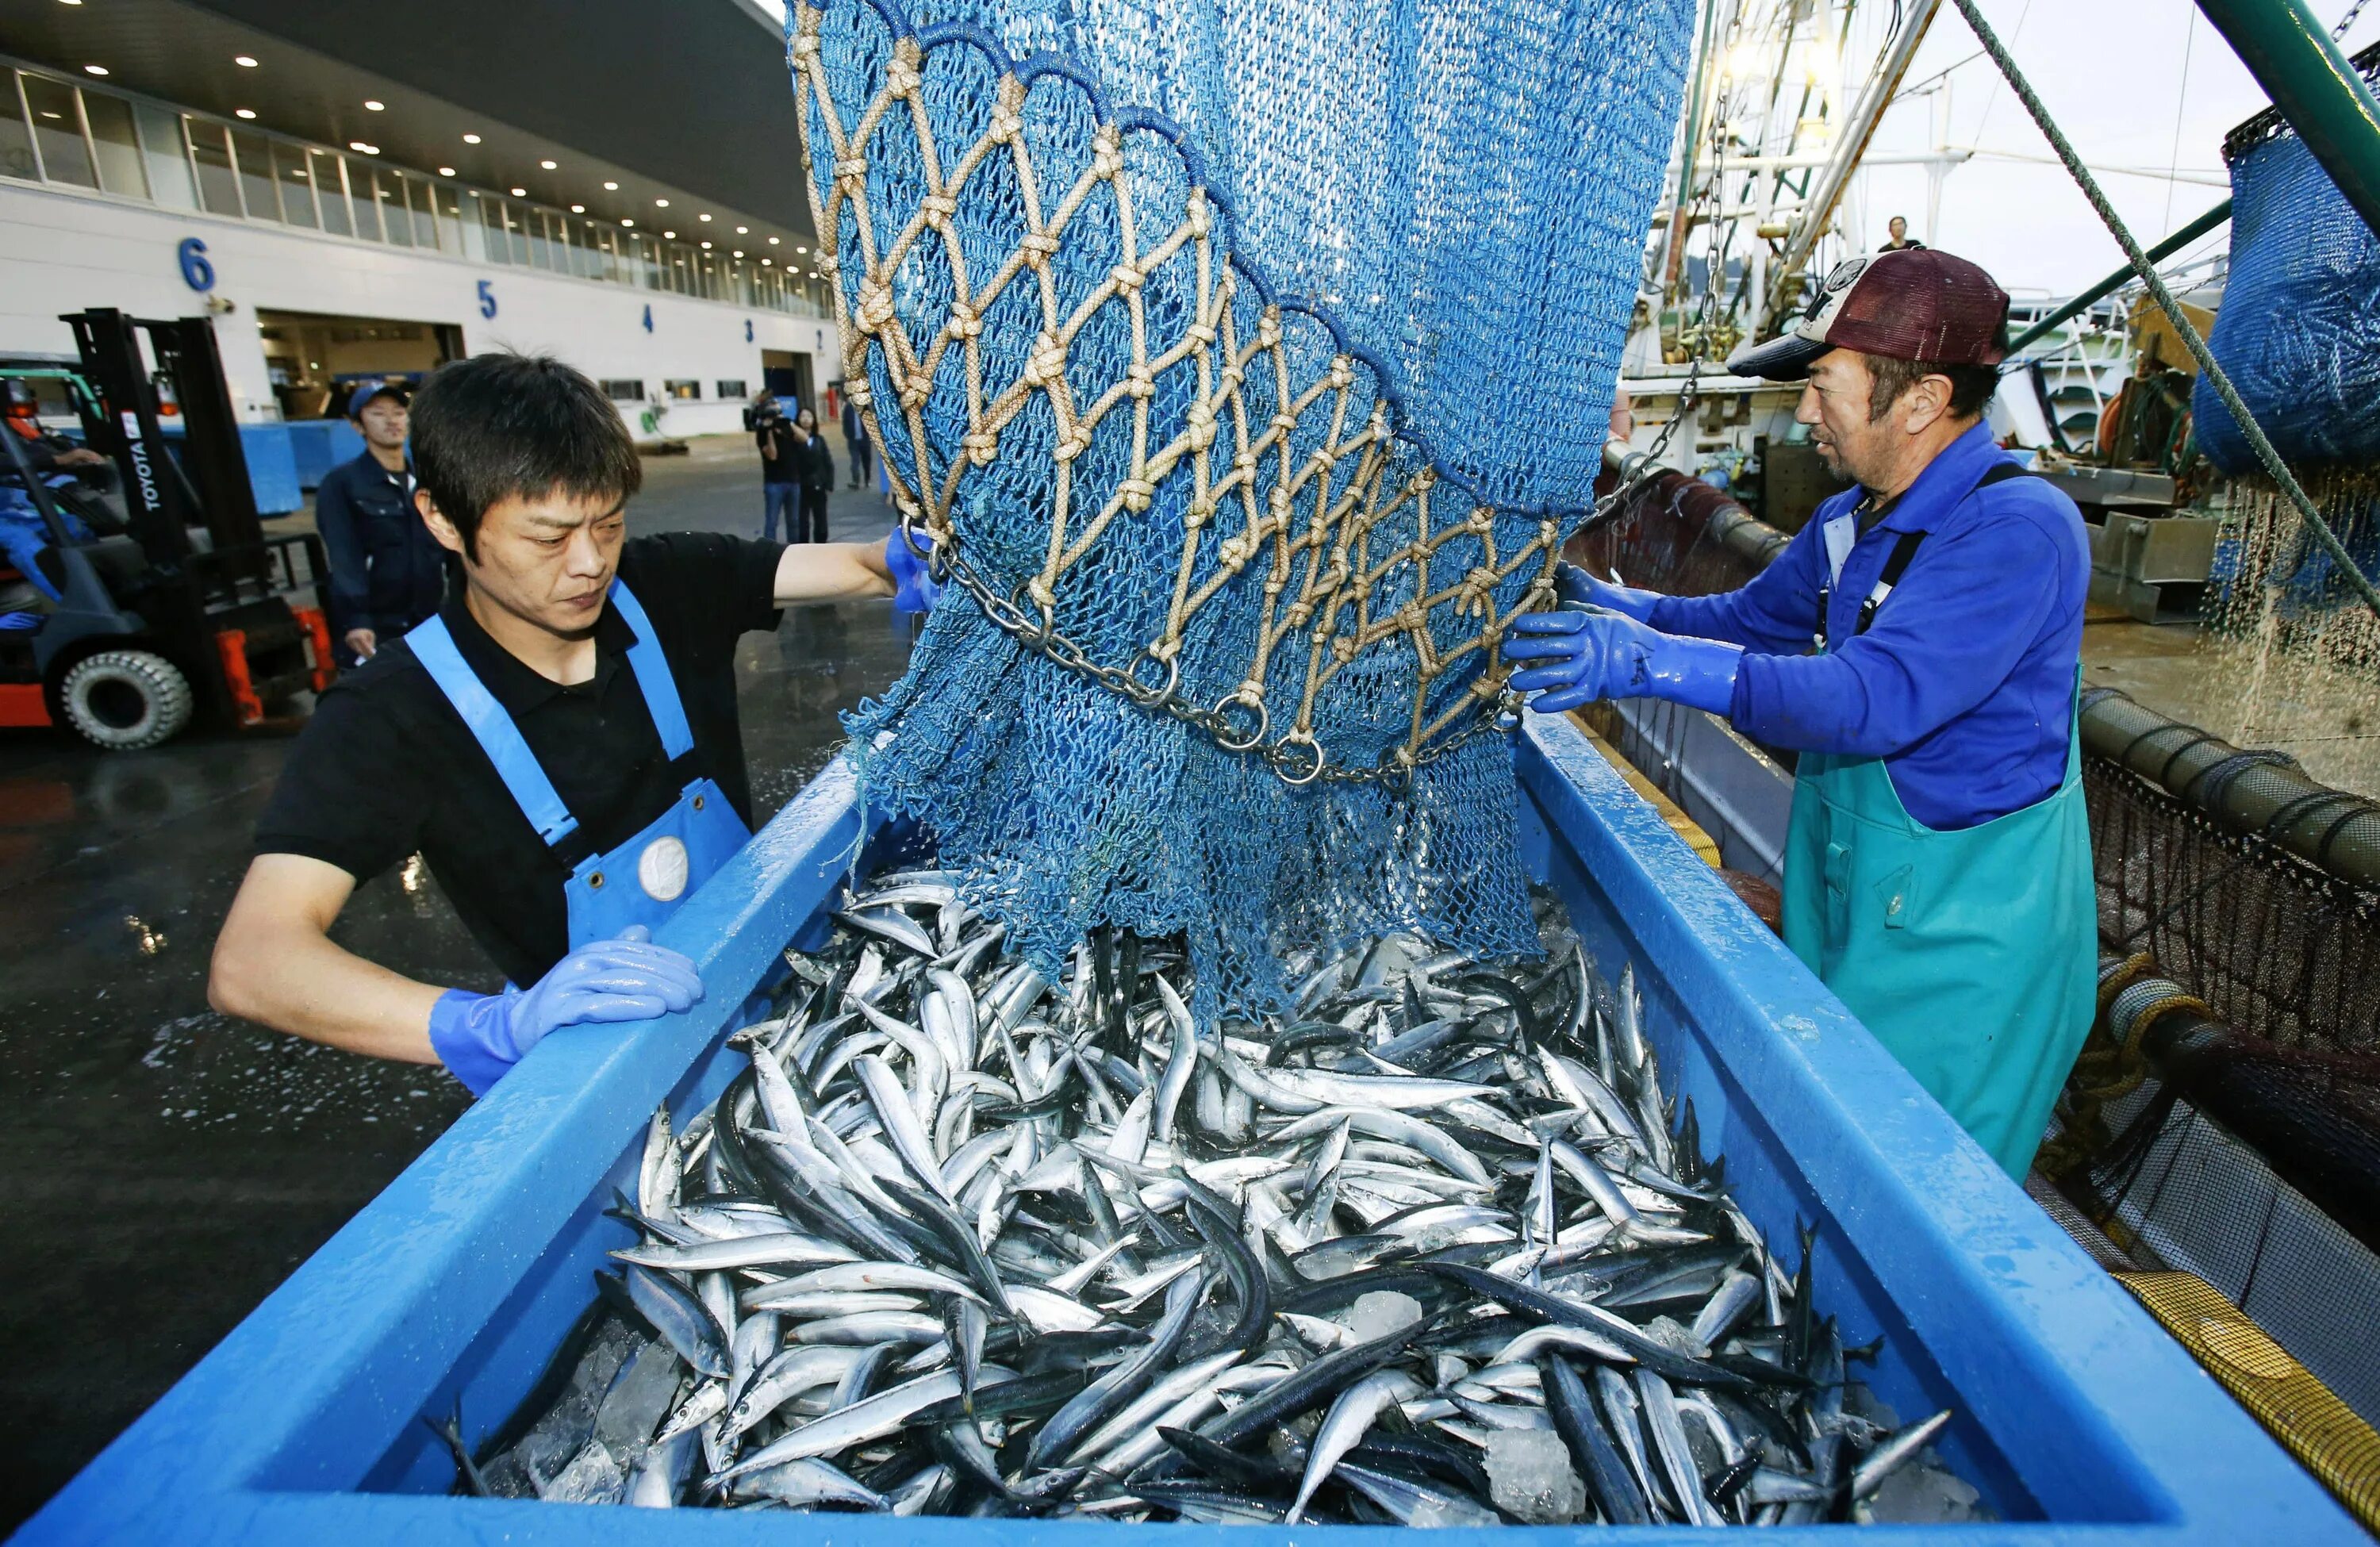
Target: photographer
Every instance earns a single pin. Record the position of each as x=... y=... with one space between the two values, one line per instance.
x=783 y=463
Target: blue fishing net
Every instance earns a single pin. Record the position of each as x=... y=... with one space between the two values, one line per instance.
x=1263 y=354
x=2299 y=333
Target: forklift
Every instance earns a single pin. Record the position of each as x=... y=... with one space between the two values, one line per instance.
x=181 y=607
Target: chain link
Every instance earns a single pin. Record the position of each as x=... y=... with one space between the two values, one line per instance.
x=1296 y=757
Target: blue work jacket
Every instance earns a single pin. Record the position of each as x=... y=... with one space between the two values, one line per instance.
x=387 y=572
x=1964 y=682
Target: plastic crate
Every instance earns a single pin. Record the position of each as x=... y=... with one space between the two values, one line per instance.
x=2078 y=1418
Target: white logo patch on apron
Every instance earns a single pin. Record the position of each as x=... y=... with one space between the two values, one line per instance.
x=662 y=869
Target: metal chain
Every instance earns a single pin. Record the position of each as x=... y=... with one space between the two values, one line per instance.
x=2265 y=452
x=1297 y=757
x=2348 y=19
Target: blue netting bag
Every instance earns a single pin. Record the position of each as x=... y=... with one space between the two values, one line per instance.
x=2299 y=333
x=1249 y=364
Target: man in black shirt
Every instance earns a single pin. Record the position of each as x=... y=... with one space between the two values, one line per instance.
x=387 y=572
x=560 y=742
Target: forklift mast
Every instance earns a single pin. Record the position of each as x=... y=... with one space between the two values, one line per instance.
x=210 y=487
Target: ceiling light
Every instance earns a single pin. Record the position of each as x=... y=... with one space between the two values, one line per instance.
x=470 y=140
x=360 y=147
x=547 y=164
x=741 y=229
x=245 y=61
x=445 y=171
x=702 y=217
x=773 y=241
x=801 y=249
x=611 y=187
x=625 y=220
x=767 y=261
x=243 y=113
x=101 y=70
x=739 y=253
x=706 y=247
x=660 y=203
x=69 y=1
x=520 y=193
x=372 y=106
x=577 y=209
x=669 y=235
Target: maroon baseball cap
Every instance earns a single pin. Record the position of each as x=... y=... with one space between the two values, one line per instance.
x=1911 y=303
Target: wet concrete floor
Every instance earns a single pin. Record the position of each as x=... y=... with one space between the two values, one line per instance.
x=167 y=1165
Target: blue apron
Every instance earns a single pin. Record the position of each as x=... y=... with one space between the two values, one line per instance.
x=644 y=880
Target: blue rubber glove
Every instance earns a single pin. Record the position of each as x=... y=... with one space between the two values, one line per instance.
x=480 y=1037
x=1574 y=584
x=1590 y=654
x=914 y=589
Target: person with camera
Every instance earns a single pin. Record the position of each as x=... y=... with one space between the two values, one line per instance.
x=782 y=466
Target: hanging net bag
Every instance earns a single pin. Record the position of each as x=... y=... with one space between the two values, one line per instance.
x=1246 y=366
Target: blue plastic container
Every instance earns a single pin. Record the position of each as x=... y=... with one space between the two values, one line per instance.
x=319 y=445
x=2077 y=1417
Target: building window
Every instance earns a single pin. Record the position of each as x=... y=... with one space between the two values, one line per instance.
x=168 y=158
x=16 y=140
x=117 y=145
x=296 y=184
x=57 y=131
x=624 y=390
x=682 y=389
x=211 y=152
x=328 y=173
x=730 y=391
x=255 y=163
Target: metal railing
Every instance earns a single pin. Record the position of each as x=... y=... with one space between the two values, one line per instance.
x=93 y=139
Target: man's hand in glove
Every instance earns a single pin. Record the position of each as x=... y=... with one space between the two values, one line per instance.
x=1579 y=655
x=480 y=1037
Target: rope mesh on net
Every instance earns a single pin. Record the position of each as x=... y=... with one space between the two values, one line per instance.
x=2190 y=337
x=1245 y=367
x=1346 y=530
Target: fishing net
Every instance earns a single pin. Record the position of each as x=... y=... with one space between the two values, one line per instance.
x=1246 y=365
x=2299 y=333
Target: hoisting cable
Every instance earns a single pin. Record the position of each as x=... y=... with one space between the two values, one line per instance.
x=2265 y=453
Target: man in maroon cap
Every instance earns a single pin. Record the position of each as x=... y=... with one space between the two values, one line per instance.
x=1918 y=644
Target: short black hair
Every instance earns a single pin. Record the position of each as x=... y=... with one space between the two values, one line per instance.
x=1971 y=385
x=516 y=426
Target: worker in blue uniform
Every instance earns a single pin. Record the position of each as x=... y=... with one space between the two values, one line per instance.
x=560 y=741
x=1918 y=644
x=387 y=572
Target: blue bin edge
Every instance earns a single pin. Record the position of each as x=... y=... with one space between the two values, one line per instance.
x=339 y=1359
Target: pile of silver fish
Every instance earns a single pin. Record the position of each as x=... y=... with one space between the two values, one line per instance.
x=1432 y=1250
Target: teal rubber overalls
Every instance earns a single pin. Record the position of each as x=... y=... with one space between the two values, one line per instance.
x=1971 y=955
x=644 y=880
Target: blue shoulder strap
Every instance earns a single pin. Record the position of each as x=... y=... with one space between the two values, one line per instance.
x=494 y=730
x=654 y=676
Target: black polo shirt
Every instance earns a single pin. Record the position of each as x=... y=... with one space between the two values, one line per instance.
x=387 y=766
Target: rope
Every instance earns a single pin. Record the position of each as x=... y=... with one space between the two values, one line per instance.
x=1319 y=493
x=2139 y=260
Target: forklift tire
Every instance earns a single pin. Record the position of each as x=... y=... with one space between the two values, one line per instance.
x=126 y=699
